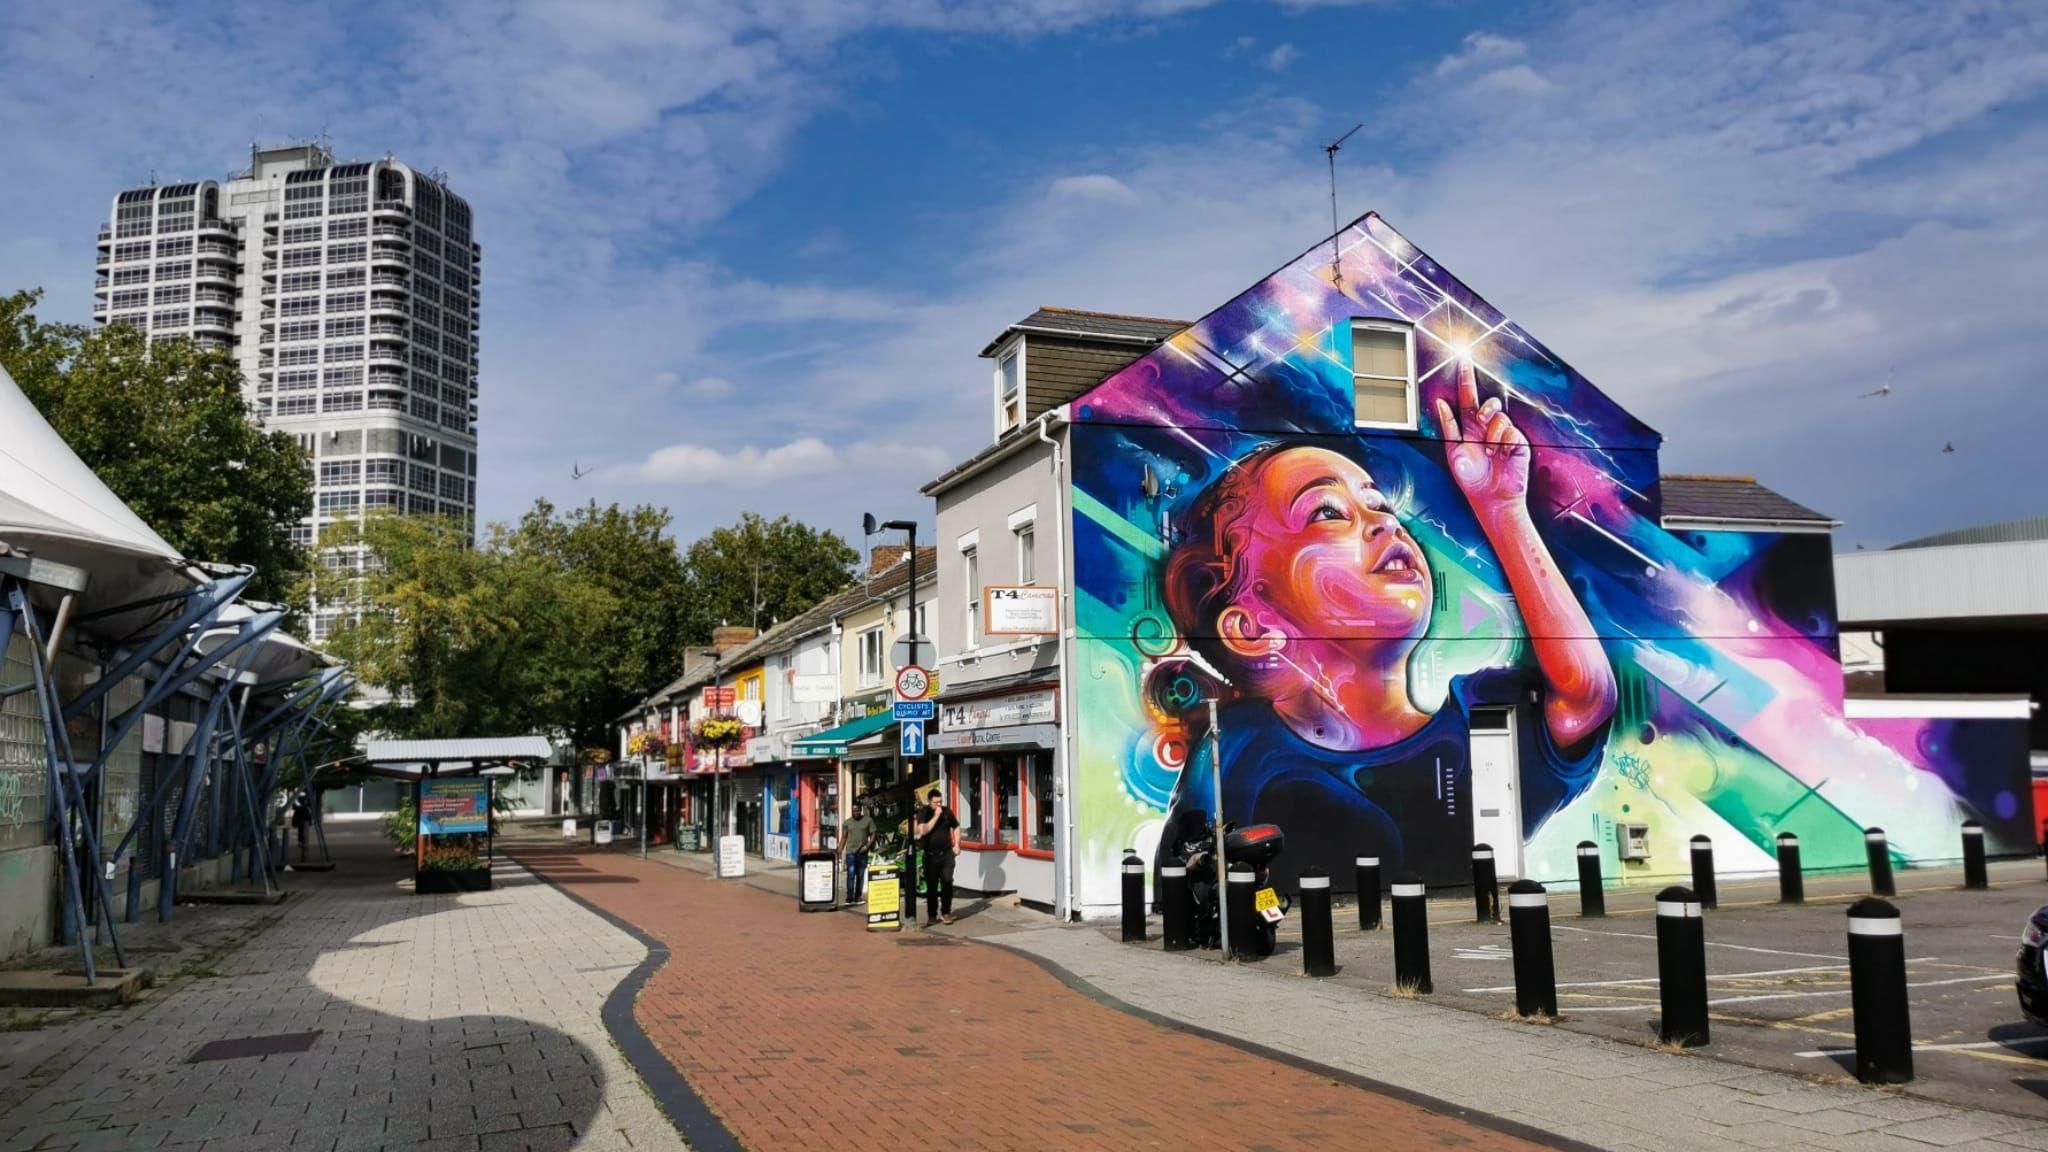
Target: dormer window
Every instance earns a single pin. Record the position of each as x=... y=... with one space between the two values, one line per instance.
x=1382 y=374
x=1010 y=388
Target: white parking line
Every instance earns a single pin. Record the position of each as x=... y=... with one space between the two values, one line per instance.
x=2022 y=1042
x=1787 y=995
x=1652 y=979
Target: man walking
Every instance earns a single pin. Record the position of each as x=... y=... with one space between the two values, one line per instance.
x=939 y=830
x=856 y=836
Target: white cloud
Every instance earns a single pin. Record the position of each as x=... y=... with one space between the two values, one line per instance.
x=1279 y=58
x=1095 y=186
x=711 y=387
x=1481 y=49
x=696 y=465
x=1520 y=80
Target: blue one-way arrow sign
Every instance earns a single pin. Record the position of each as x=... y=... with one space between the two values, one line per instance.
x=911 y=741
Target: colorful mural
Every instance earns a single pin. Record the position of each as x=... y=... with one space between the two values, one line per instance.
x=1355 y=598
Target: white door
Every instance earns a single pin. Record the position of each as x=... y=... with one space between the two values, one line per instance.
x=1496 y=807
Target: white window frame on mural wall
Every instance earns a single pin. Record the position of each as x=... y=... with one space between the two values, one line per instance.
x=1350 y=345
x=1010 y=413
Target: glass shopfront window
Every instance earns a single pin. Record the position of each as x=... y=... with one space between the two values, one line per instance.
x=1007 y=808
x=970 y=804
x=1038 y=779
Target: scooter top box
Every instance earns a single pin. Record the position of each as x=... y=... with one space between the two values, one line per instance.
x=1256 y=844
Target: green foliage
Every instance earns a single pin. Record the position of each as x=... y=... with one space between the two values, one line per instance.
x=402 y=827
x=797 y=566
x=166 y=427
x=554 y=625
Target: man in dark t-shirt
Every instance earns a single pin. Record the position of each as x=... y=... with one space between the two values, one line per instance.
x=939 y=830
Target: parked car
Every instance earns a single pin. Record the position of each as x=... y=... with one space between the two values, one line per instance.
x=2032 y=978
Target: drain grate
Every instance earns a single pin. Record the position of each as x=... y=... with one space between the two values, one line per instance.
x=246 y=1046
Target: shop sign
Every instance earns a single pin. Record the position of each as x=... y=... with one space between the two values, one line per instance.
x=1035 y=707
x=777 y=847
x=1024 y=610
x=454 y=805
x=716 y=698
x=814 y=688
x=1023 y=736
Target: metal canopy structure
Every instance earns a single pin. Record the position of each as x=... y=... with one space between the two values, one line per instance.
x=113 y=624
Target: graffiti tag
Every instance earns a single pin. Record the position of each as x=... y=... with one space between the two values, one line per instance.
x=13 y=796
x=1634 y=769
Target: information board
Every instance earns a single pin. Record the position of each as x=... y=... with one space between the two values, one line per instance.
x=885 y=898
x=454 y=805
x=732 y=856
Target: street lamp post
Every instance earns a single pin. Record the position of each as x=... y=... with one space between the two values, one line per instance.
x=909 y=528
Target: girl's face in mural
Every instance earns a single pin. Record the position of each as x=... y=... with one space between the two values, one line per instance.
x=1327 y=559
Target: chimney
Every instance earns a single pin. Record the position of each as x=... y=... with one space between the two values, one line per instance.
x=727 y=637
x=883 y=557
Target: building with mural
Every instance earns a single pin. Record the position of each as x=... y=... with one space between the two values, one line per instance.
x=1435 y=591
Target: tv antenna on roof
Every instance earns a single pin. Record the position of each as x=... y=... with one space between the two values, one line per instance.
x=1336 y=253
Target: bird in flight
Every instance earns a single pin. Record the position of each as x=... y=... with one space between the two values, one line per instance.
x=1948 y=446
x=577 y=471
x=1884 y=389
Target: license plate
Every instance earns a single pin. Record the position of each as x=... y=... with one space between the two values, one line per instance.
x=1266 y=900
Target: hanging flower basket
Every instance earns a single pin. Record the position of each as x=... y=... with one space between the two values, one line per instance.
x=597 y=755
x=646 y=745
x=717 y=732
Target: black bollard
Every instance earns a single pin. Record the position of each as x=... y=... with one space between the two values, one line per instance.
x=1176 y=912
x=1485 y=885
x=1318 y=947
x=1529 y=935
x=1368 y=893
x=1703 y=871
x=1791 y=881
x=1134 y=898
x=1592 y=897
x=1681 y=969
x=1877 y=993
x=1411 y=934
x=1241 y=888
x=1880 y=853
x=1974 y=875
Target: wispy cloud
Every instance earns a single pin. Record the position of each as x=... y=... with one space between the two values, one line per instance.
x=1279 y=58
x=1481 y=50
x=1094 y=186
x=697 y=465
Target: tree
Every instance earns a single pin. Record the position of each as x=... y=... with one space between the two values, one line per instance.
x=796 y=566
x=554 y=625
x=166 y=428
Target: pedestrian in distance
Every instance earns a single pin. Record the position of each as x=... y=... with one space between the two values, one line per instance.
x=939 y=830
x=856 y=836
x=302 y=818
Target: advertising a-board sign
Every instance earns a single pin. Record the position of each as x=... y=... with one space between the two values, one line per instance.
x=885 y=898
x=818 y=878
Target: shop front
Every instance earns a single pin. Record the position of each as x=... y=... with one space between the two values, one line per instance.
x=855 y=762
x=998 y=757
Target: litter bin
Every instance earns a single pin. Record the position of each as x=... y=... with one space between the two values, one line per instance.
x=818 y=876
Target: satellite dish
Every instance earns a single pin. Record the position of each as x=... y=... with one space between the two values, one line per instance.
x=867 y=523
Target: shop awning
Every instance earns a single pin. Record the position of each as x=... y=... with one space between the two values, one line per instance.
x=836 y=741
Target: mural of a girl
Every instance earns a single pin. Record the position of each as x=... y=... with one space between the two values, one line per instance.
x=1295 y=579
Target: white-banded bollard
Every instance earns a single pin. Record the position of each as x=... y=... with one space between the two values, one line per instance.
x=1485 y=885
x=1879 y=850
x=1681 y=968
x=1877 y=993
x=1176 y=911
x=1974 y=873
x=1703 y=872
x=1134 y=898
x=1318 y=945
x=1411 y=934
x=1791 y=879
x=1529 y=936
x=1592 y=896
x=1368 y=893
x=1241 y=887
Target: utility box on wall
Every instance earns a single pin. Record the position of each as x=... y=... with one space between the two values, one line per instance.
x=1634 y=840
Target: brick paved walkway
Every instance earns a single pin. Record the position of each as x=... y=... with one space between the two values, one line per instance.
x=805 y=1032
x=446 y=1023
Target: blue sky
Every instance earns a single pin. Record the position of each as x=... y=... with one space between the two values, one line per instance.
x=742 y=256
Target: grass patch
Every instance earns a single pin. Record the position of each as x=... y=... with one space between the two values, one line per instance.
x=1405 y=990
x=23 y=1020
x=1514 y=1017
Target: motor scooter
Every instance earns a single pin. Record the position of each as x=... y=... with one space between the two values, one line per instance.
x=1254 y=846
